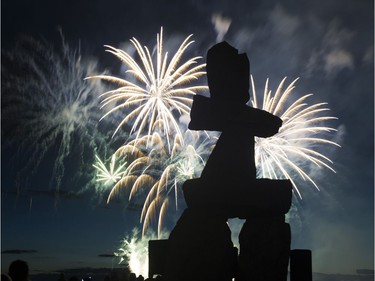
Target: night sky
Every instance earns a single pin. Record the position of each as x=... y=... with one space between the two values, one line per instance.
x=328 y=44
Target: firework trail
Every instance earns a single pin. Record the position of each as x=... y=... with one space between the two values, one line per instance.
x=159 y=94
x=48 y=107
x=155 y=175
x=294 y=147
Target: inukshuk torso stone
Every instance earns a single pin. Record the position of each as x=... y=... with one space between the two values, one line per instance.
x=200 y=246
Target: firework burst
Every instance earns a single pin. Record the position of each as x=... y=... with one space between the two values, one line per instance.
x=111 y=175
x=156 y=175
x=285 y=154
x=49 y=108
x=159 y=94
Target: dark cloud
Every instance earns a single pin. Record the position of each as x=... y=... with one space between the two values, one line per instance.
x=29 y=193
x=365 y=271
x=17 y=251
x=340 y=277
x=106 y=255
x=63 y=194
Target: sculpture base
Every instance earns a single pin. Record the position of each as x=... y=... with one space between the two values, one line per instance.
x=253 y=198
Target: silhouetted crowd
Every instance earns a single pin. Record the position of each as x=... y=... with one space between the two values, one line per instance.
x=133 y=277
x=19 y=271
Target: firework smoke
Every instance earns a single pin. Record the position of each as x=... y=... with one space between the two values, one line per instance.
x=50 y=108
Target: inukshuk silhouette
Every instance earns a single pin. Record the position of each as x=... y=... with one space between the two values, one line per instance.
x=200 y=246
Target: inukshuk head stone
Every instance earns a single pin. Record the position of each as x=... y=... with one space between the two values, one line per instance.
x=228 y=73
x=228 y=76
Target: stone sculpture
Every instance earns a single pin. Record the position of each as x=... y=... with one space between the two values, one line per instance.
x=200 y=246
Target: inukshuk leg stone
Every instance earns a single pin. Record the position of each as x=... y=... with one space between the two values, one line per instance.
x=200 y=248
x=264 y=249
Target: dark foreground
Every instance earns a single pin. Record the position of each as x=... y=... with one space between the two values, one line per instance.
x=122 y=274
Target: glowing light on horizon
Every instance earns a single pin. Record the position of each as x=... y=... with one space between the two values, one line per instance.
x=159 y=95
x=133 y=251
x=286 y=154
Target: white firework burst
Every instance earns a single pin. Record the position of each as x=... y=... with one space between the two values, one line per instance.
x=295 y=146
x=162 y=90
x=111 y=175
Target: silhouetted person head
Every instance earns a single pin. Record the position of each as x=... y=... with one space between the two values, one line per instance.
x=19 y=270
x=228 y=73
x=132 y=277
